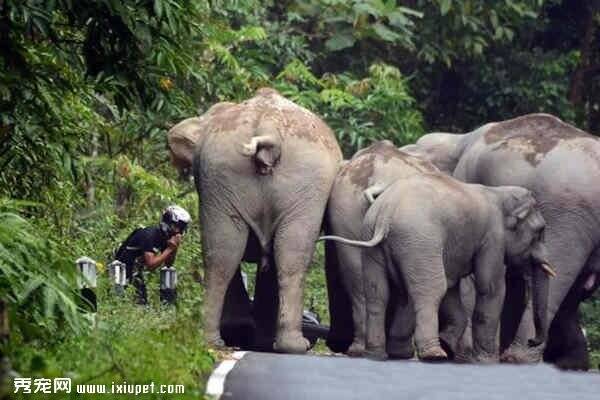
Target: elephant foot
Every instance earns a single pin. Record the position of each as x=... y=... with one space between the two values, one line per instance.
x=448 y=349
x=291 y=343
x=377 y=354
x=519 y=354
x=463 y=355
x=400 y=349
x=485 y=358
x=356 y=349
x=572 y=364
x=449 y=343
x=432 y=352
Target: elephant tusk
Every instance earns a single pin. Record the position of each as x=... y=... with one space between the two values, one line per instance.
x=548 y=269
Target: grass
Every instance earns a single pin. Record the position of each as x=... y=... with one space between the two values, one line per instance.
x=129 y=343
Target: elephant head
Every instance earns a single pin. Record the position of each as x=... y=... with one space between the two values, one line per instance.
x=181 y=141
x=525 y=249
x=183 y=138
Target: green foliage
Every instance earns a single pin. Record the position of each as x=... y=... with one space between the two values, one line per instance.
x=123 y=347
x=343 y=23
x=591 y=322
x=88 y=89
x=533 y=82
x=36 y=278
x=459 y=30
x=359 y=111
x=123 y=343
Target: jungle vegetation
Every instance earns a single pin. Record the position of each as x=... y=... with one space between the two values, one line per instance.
x=89 y=88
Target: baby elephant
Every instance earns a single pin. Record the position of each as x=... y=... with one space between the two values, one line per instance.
x=429 y=231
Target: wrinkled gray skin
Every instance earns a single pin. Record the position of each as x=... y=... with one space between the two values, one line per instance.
x=429 y=231
x=560 y=164
x=567 y=344
x=263 y=170
x=368 y=172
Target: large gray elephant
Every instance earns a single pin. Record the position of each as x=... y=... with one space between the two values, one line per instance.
x=369 y=171
x=560 y=164
x=429 y=231
x=263 y=170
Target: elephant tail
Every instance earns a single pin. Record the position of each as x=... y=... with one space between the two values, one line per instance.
x=265 y=150
x=377 y=238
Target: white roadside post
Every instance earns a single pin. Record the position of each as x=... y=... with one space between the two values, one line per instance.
x=117 y=274
x=168 y=285
x=86 y=282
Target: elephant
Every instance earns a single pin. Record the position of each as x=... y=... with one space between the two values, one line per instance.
x=560 y=164
x=567 y=344
x=263 y=170
x=184 y=136
x=370 y=169
x=426 y=232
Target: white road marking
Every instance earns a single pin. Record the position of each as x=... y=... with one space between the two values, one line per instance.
x=216 y=382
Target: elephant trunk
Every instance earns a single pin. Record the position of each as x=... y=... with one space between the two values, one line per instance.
x=540 y=281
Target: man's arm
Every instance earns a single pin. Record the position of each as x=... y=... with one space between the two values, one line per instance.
x=171 y=259
x=153 y=261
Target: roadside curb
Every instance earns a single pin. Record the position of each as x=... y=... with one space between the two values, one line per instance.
x=216 y=382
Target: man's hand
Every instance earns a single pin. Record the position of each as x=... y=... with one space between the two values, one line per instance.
x=174 y=241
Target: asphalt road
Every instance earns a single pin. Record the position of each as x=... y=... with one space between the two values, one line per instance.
x=267 y=376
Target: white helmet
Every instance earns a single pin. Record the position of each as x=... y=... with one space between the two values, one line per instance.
x=174 y=216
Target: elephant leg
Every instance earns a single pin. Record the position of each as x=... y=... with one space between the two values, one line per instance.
x=341 y=331
x=377 y=293
x=400 y=326
x=467 y=294
x=518 y=350
x=567 y=345
x=352 y=280
x=237 y=326
x=490 y=288
x=515 y=303
x=453 y=319
x=425 y=280
x=224 y=242
x=294 y=246
x=266 y=304
x=568 y=260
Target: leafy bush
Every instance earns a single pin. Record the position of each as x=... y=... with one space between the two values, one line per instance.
x=36 y=278
x=124 y=347
x=359 y=111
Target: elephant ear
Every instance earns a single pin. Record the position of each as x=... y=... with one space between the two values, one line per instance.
x=517 y=207
x=181 y=141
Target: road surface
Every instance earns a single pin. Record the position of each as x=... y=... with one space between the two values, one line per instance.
x=267 y=376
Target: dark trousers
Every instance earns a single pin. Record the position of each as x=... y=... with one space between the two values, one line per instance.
x=136 y=277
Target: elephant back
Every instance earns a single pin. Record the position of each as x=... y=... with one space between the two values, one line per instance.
x=381 y=162
x=268 y=110
x=535 y=136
